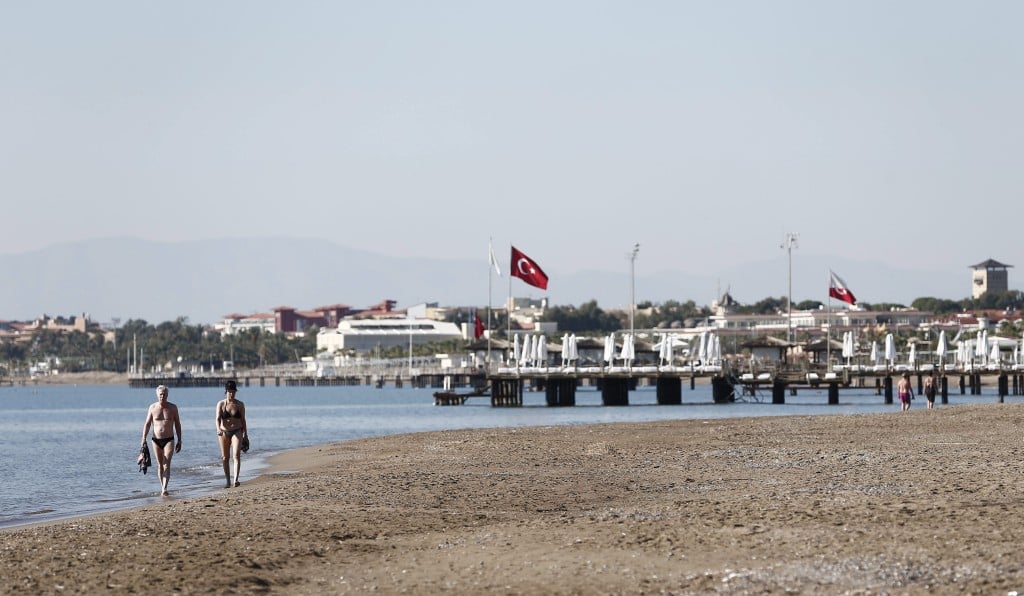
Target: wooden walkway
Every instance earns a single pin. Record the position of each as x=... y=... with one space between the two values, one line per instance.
x=505 y=387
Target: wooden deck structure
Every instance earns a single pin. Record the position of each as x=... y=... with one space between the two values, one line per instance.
x=506 y=388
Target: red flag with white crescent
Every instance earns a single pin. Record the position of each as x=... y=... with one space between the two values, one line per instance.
x=527 y=270
x=838 y=290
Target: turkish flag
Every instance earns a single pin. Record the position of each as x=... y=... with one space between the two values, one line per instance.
x=837 y=289
x=525 y=269
x=478 y=326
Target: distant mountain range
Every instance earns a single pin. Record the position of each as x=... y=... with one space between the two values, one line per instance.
x=130 y=278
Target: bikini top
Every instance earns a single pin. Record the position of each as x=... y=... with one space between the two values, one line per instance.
x=225 y=413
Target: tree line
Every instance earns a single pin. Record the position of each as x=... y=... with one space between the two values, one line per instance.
x=164 y=343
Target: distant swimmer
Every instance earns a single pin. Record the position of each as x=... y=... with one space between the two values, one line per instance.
x=163 y=417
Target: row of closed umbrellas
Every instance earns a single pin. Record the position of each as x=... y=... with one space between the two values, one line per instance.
x=533 y=349
x=706 y=348
x=980 y=349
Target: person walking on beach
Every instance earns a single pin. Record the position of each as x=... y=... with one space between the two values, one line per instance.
x=163 y=417
x=905 y=392
x=929 y=390
x=231 y=430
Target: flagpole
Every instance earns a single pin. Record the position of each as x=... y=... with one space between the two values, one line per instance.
x=490 y=258
x=828 y=330
x=508 y=307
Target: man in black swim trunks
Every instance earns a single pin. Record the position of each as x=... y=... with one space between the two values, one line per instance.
x=163 y=417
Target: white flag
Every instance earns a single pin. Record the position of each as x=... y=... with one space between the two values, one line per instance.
x=493 y=260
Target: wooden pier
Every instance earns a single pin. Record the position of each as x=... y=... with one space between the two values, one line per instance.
x=560 y=386
x=506 y=388
x=256 y=379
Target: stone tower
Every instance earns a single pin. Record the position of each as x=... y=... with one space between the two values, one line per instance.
x=988 y=276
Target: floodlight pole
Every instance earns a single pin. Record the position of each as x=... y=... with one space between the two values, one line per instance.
x=632 y=283
x=789 y=244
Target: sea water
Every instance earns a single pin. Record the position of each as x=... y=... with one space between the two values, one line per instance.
x=71 y=450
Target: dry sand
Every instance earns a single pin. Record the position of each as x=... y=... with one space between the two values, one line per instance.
x=925 y=502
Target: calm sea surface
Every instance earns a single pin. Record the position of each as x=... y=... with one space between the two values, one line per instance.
x=71 y=450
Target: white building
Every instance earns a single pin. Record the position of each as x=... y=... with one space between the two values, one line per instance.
x=364 y=335
x=235 y=324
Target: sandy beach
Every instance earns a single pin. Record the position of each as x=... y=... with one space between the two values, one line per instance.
x=82 y=378
x=924 y=502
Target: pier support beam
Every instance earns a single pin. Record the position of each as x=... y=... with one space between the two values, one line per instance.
x=560 y=392
x=721 y=390
x=1004 y=386
x=944 y=384
x=833 y=394
x=506 y=393
x=888 y=389
x=670 y=391
x=779 y=391
x=615 y=392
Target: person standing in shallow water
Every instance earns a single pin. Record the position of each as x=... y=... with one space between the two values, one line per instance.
x=163 y=417
x=929 y=390
x=905 y=392
x=231 y=429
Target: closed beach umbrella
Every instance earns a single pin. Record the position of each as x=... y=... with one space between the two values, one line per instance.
x=994 y=357
x=516 y=350
x=874 y=352
x=940 y=349
x=890 y=348
x=565 y=348
x=670 y=347
x=626 y=354
x=527 y=353
x=912 y=356
x=609 y=347
x=573 y=348
x=981 y=346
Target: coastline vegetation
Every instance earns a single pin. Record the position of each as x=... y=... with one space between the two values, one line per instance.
x=179 y=341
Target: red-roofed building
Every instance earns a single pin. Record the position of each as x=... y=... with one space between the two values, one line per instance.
x=289 y=320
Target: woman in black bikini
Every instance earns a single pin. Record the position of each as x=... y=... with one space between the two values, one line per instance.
x=231 y=430
x=163 y=417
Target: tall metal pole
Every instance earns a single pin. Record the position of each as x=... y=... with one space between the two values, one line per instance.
x=789 y=244
x=632 y=283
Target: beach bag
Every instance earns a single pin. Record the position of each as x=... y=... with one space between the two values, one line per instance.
x=245 y=444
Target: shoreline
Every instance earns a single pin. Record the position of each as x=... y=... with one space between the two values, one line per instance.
x=907 y=503
x=84 y=378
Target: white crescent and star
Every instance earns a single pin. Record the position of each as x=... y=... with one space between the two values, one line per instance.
x=524 y=266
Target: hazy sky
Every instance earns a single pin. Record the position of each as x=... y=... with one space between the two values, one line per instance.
x=705 y=131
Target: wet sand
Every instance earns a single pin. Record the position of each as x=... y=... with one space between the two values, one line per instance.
x=924 y=502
